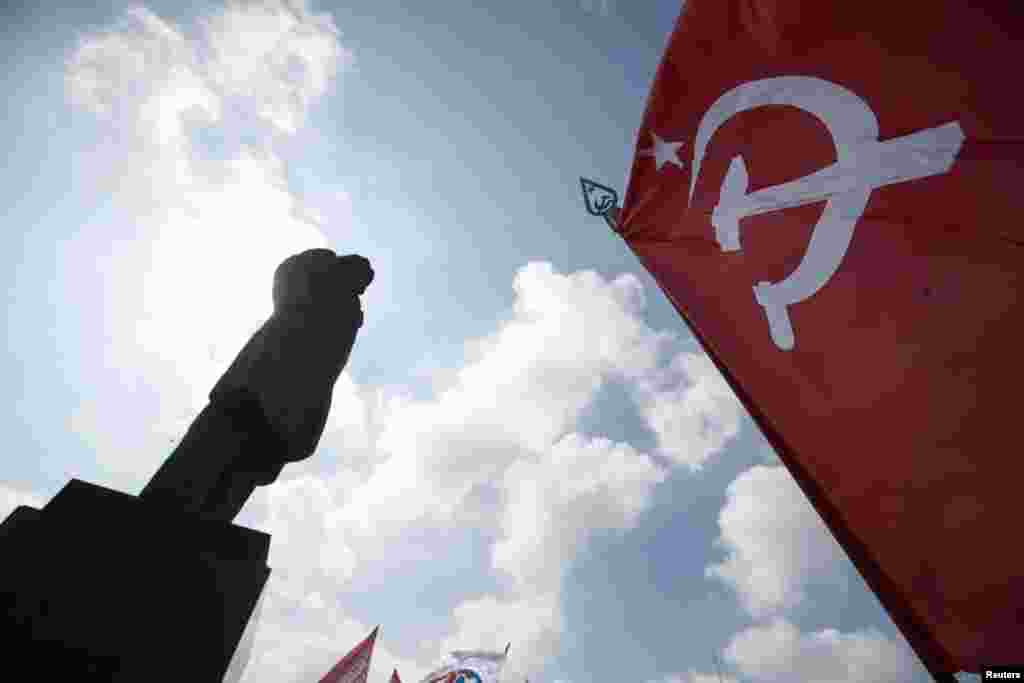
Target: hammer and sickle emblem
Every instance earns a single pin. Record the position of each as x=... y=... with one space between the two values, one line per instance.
x=862 y=164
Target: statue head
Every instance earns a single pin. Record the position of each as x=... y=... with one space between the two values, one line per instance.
x=320 y=275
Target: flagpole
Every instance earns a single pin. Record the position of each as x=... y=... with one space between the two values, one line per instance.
x=611 y=217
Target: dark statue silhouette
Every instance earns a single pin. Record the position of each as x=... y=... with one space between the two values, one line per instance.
x=271 y=405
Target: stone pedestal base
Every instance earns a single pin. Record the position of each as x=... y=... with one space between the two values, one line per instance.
x=101 y=586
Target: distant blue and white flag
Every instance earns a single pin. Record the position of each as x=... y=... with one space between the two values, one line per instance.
x=469 y=666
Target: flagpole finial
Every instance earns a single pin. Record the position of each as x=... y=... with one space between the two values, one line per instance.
x=601 y=200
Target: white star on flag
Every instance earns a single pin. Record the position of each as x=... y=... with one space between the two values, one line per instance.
x=664 y=152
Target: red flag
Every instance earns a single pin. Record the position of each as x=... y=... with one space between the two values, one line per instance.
x=394 y=677
x=353 y=667
x=831 y=195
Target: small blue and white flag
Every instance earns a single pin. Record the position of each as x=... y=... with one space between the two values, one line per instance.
x=469 y=666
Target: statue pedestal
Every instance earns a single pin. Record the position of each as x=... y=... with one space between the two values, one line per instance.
x=101 y=586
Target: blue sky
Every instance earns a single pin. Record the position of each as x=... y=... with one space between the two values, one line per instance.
x=527 y=444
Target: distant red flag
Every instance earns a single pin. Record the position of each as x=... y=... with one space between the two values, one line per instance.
x=831 y=194
x=394 y=677
x=353 y=667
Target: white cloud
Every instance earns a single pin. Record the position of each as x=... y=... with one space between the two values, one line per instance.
x=555 y=504
x=141 y=78
x=778 y=652
x=303 y=633
x=521 y=390
x=533 y=625
x=777 y=545
x=306 y=546
x=551 y=507
x=775 y=541
x=690 y=408
x=277 y=55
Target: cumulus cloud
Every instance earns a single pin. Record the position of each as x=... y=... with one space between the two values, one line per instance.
x=521 y=390
x=302 y=633
x=142 y=80
x=555 y=504
x=552 y=507
x=277 y=54
x=305 y=546
x=690 y=408
x=533 y=623
x=775 y=541
x=776 y=546
x=778 y=651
